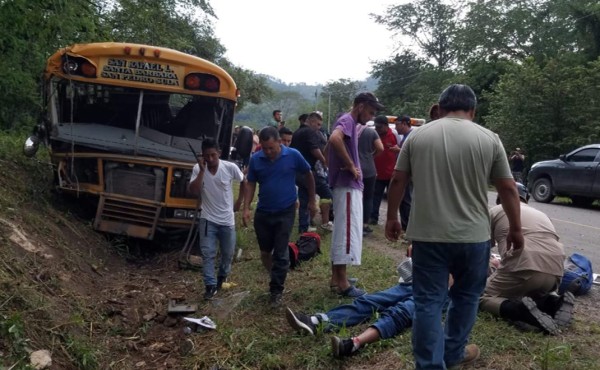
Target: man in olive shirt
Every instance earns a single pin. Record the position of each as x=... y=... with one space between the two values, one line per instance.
x=450 y=161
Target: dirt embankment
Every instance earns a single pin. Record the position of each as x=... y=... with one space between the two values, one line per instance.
x=74 y=292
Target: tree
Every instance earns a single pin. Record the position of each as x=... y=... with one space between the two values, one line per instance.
x=547 y=110
x=409 y=85
x=180 y=27
x=342 y=93
x=34 y=29
x=515 y=30
x=586 y=17
x=430 y=23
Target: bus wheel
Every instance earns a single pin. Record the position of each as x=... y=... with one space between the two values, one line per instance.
x=243 y=144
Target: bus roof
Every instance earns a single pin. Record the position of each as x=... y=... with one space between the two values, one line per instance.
x=140 y=66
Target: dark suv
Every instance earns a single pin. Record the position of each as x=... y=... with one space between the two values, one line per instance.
x=575 y=175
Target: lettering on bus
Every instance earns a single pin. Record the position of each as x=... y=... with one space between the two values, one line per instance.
x=151 y=73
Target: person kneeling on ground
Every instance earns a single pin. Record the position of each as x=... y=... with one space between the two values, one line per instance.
x=523 y=288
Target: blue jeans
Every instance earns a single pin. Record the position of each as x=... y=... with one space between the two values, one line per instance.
x=209 y=233
x=434 y=347
x=395 y=305
x=273 y=235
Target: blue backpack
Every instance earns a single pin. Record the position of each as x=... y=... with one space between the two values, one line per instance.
x=578 y=277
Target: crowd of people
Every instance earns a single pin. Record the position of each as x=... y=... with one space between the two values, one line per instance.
x=438 y=175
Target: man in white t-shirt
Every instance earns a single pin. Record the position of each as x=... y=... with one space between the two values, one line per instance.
x=215 y=179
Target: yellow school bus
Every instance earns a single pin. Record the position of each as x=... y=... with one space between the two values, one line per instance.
x=120 y=120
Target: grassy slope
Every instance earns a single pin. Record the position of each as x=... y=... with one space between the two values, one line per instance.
x=51 y=305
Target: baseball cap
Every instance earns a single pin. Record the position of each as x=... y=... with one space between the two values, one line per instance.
x=368 y=98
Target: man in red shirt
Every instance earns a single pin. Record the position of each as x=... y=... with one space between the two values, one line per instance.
x=384 y=163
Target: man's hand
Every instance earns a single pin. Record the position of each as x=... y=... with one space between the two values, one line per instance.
x=393 y=230
x=514 y=240
x=354 y=170
x=201 y=163
x=394 y=149
x=246 y=217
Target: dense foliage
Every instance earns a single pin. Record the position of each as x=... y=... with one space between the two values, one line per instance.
x=34 y=29
x=533 y=64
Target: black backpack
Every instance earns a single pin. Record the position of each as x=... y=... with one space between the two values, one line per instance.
x=306 y=247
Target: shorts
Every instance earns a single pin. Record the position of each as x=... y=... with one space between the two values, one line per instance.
x=322 y=188
x=346 y=239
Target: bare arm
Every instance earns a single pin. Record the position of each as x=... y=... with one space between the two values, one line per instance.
x=512 y=207
x=195 y=186
x=240 y=198
x=319 y=155
x=309 y=180
x=378 y=144
x=393 y=228
x=248 y=195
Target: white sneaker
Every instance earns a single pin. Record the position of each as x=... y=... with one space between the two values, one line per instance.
x=328 y=226
x=311 y=229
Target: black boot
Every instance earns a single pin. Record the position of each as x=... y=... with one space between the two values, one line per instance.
x=549 y=303
x=210 y=292
x=527 y=311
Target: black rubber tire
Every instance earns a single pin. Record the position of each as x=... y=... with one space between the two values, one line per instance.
x=543 y=191
x=243 y=144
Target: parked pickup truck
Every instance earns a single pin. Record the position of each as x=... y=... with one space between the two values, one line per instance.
x=575 y=175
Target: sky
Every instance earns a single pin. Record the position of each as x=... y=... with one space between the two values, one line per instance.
x=310 y=41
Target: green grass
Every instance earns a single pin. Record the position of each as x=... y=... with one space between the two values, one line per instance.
x=258 y=337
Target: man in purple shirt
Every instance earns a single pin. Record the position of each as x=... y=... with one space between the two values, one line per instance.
x=345 y=179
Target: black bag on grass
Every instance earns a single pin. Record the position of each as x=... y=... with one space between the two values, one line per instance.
x=306 y=247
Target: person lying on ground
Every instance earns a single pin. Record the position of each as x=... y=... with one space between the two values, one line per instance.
x=395 y=307
x=523 y=288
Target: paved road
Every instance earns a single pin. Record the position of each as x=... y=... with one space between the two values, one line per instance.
x=578 y=228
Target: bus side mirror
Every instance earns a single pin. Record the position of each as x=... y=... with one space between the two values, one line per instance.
x=31 y=145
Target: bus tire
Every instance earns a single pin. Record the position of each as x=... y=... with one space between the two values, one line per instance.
x=243 y=144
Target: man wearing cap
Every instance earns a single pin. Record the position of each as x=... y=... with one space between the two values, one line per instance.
x=345 y=179
x=451 y=161
x=520 y=289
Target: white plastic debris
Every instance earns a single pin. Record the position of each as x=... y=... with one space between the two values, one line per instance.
x=203 y=321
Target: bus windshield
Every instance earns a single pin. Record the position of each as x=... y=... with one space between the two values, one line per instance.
x=123 y=119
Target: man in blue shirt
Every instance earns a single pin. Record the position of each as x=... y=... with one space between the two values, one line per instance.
x=274 y=168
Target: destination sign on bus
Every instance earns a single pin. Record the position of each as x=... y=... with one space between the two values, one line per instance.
x=140 y=71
